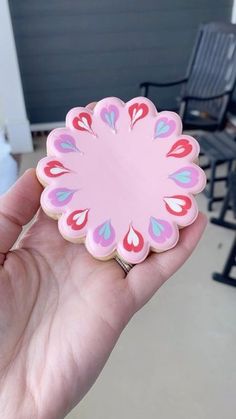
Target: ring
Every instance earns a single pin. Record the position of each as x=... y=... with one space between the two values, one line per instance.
x=125 y=266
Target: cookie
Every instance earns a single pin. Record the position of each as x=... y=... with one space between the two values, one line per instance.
x=121 y=178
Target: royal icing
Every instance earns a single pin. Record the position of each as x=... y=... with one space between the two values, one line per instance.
x=122 y=178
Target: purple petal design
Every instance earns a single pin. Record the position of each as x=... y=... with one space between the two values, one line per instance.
x=61 y=196
x=159 y=230
x=186 y=177
x=164 y=128
x=110 y=115
x=66 y=144
x=104 y=234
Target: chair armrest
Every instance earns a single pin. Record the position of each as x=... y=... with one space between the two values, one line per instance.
x=167 y=84
x=205 y=98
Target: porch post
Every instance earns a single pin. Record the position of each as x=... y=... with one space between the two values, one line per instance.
x=12 y=106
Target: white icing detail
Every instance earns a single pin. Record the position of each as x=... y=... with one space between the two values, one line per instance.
x=82 y=125
x=56 y=170
x=134 y=113
x=175 y=204
x=132 y=237
x=85 y=121
x=80 y=217
x=178 y=150
x=137 y=115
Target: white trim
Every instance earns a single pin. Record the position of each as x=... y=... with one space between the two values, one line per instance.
x=233 y=17
x=46 y=126
x=11 y=93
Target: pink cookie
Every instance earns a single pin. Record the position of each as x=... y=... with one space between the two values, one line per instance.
x=121 y=178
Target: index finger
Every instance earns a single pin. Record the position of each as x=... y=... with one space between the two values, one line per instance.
x=17 y=208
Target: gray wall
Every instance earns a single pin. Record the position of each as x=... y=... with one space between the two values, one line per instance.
x=72 y=52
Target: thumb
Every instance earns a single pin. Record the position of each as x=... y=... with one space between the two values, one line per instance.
x=17 y=208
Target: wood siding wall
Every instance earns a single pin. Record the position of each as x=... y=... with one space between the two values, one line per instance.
x=72 y=52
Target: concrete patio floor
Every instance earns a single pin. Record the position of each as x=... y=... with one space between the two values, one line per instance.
x=176 y=359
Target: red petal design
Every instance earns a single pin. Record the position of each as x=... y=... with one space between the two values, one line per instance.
x=133 y=240
x=178 y=204
x=79 y=119
x=135 y=108
x=180 y=149
x=78 y=219
x=55 y=168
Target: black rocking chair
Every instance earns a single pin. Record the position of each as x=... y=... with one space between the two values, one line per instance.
x=210 y=79
x=218 y=147
x=228 y=204
x=225 y=277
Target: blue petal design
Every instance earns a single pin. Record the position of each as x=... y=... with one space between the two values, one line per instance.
x=183 y=177
x=156 y=227
x=112 y=117
x=63 y=195
x=65 y=144
x=161 y=128
x=105 y=231
x=107 y=116
x=68 y=145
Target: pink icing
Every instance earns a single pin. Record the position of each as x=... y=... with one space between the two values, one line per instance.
x=122 y=178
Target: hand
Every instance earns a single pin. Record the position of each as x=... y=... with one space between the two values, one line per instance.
x=61 y=311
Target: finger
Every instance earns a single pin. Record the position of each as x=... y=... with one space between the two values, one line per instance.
x=145 y=279
x=91 y=105
x=17 y=208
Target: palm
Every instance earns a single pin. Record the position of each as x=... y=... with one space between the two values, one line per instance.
x=61 y=308
x=61 y=312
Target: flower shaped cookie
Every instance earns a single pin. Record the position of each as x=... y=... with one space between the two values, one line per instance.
x=121 y=178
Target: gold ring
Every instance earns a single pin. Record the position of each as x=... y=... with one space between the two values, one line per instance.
x=125 y=266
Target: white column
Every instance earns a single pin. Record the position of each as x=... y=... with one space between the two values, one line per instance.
x=233 y=17
x=11 y=94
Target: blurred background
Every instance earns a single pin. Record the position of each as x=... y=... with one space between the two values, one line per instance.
x=176 y=359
